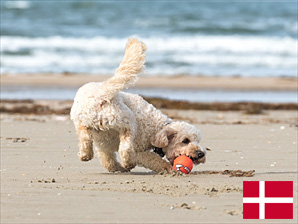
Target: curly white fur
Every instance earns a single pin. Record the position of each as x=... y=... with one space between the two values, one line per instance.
x=116 y=121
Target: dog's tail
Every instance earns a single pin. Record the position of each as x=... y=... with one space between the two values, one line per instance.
x=126 y=74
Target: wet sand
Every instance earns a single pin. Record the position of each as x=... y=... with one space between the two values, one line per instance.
x=179 y=82
x=43 y=181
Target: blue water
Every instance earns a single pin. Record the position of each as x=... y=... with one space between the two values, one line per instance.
x=52 y=93
x=191 y=38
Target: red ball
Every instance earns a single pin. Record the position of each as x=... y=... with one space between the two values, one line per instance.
x=183 y=164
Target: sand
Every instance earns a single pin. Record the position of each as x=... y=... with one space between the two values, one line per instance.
x=174 y=82
x=43 y=181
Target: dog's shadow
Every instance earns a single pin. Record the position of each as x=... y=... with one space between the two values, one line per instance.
x=231 y=173
x=135 y=173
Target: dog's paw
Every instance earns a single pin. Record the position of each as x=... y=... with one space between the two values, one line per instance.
x=128 y=166
x=128 y=160
x=83 y=156
x=118 y=169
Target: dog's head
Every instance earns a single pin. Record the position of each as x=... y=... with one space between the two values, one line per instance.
x=180 y=138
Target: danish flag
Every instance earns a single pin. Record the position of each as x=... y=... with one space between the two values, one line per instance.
x=267 y=199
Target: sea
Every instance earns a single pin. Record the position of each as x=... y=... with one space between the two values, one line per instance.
x=191 y=38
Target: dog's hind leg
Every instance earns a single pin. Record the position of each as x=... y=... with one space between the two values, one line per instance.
x=85 y=143
x=126 y=148
x=108 y=161
x=107 y=144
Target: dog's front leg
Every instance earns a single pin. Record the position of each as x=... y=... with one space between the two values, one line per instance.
x=126 y=149
x=153 y=161
x=85 y=144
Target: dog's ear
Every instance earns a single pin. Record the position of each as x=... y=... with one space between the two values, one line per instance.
x=162 y=138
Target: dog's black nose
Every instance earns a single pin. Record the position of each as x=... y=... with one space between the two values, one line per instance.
x=201 y=154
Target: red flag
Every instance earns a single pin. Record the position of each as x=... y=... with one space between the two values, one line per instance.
x=267 y=199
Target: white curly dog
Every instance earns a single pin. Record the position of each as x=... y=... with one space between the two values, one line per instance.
x=115 y=121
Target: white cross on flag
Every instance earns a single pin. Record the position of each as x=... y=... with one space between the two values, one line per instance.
x=267 y=199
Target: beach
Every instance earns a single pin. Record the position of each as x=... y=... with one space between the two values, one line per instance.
x=43 y=181
x=179 y=87
x=172 y=82
x=228 y=68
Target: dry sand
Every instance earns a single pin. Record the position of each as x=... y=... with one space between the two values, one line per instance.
x=43 y=181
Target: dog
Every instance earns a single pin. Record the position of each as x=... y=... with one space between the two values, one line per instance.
x=115 y=121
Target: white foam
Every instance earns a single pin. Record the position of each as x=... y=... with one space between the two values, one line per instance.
x=232 y=44
x=95 y=44
x=237 y=44
x=17 y=4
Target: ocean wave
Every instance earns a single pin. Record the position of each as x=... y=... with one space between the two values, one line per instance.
x=17 y=4
x=211 y=55
x=240 y=44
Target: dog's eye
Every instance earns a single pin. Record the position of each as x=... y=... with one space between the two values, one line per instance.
x=186 y=141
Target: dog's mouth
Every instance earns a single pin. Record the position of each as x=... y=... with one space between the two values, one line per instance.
x=197 y=157
x=196 y=160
